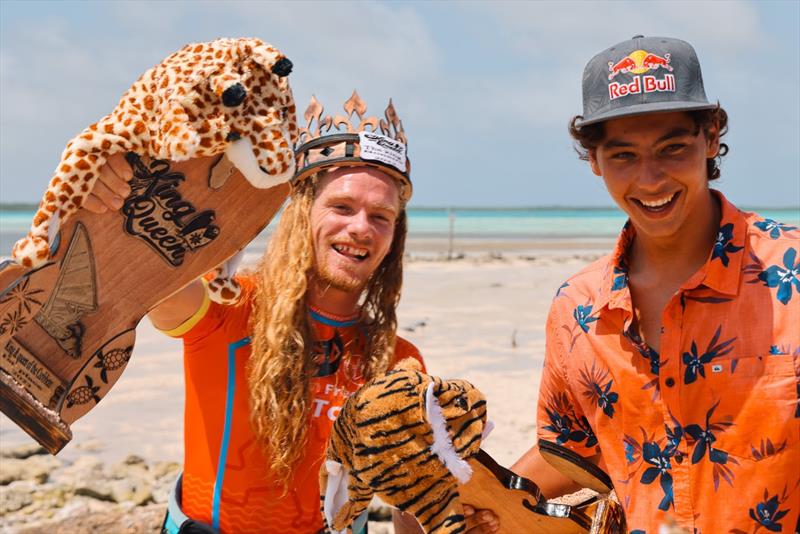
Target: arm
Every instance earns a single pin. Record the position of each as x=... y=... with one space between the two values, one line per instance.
x=405 y=523
x=559 y=414
x=535 y=468
x=173 y=311
x=107 y=195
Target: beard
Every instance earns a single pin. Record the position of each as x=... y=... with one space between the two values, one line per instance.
x=338 y=280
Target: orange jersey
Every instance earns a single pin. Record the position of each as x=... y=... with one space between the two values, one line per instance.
x=706 y=431
x=225 y=479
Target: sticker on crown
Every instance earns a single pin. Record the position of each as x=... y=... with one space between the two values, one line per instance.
x=377 y=147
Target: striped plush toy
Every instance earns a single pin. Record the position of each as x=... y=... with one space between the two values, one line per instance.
x=405 y=437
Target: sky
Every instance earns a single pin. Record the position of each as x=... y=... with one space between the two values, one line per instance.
x=484 y=89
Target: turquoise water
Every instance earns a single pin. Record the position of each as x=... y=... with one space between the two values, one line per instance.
x=517 y=223
x=539 y=222
x=488 y=223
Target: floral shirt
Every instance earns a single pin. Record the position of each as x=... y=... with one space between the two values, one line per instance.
x=705 y=432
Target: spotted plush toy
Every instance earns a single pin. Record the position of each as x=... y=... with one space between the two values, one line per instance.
x=405 y=437
x=228 y=95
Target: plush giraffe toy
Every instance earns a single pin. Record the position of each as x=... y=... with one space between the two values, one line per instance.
x=228 y=95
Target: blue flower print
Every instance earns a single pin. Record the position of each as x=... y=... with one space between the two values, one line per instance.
x=620 y=279
x=695 y=363
x=661 y=467
x=674 y=436
x=775 y=350
x=606 y=398
x=591 y=439
x=703 y=438
x=565 y=423
x=647 y=352
x=767 y=514
x=562 y=426
x=630 y=453
x=723 y=245
x=562 y=286
x=592 y=380
x=773 y=227
x=783 y=278
x=582 y=315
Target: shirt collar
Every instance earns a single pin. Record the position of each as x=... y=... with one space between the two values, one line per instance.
x=721 y=271
x=614 y=288
x=330 y=319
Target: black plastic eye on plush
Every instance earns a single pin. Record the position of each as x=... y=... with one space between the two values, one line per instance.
x=461 y=403
x=282 y=67
x=234 y=95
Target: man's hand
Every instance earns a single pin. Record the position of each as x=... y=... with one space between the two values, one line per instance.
x=405 y=523
x=111 y=188
x=481 y=521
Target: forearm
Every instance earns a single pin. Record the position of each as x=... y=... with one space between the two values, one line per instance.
x=178 y=307
x=550 y=481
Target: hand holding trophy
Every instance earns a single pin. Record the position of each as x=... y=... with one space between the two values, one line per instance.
x=201 y=147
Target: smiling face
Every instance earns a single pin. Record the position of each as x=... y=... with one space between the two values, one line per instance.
x=352 y=223
x=654 y=167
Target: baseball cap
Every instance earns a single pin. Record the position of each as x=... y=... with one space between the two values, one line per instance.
x=642 y=75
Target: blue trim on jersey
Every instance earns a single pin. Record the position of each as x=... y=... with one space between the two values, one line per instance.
x=331 y=322
x=226 y=432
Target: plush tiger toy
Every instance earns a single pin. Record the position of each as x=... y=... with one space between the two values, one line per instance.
x=228 y=95
x=405 y=437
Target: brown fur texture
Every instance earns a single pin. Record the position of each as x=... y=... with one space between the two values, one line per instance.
x=193 y=104
x=385 y=444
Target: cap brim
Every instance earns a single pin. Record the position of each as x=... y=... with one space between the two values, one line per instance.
x=642 y=109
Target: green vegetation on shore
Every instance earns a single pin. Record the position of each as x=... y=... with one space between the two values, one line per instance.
x=18 y=206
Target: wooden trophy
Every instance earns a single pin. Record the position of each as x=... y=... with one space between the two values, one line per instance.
x=522 y=509
x=67 y=327
x=608 y=516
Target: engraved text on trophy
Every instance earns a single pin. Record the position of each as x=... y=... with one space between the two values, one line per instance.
x=156 y=212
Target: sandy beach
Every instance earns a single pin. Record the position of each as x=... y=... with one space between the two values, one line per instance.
x=479 y=317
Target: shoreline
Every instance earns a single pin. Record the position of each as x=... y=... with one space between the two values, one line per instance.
x=479 y=315
x=464 y=313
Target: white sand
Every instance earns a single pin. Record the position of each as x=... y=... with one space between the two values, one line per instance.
x=472 y=310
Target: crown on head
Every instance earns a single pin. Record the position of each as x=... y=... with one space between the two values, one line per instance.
x=337 y=141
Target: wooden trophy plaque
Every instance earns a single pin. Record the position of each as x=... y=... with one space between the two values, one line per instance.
x=67 y=327
x=522 y=509
x=608 y=516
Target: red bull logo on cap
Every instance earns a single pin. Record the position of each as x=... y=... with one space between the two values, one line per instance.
x=640 y=62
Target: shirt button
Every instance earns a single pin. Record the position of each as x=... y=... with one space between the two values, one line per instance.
x=670 y=382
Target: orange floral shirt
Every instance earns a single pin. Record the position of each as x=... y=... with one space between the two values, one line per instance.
x=706 y=431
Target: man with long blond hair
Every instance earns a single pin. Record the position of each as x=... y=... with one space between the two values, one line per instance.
x=266 y=377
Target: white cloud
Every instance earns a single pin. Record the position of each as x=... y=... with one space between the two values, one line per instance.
x=577 y=28
x=497 y=78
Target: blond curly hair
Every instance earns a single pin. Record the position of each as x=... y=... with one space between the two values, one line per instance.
x=281 y=365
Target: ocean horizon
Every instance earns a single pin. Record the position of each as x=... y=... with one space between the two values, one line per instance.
x=490 y=223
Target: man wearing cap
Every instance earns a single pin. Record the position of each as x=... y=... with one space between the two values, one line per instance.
x=673 y=362
x=265 y=378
